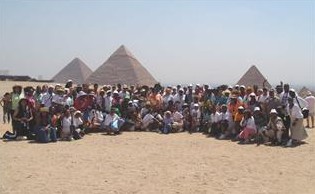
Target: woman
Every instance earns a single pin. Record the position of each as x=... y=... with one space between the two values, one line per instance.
x=249 y=127
x=46 y=130
x=22 y=115
x=297 y=129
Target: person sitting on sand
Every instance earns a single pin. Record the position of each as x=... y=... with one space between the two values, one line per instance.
x=225 y=123
x=274 y=129
x=195 y=118
x=167 y=122
x=66 y=131
x=113 y=122
x=23 y=115
x=261 y=123
x=248 y=127
x=215 y=119
x=45 y=131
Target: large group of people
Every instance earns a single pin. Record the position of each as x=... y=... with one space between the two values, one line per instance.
x=246 y=114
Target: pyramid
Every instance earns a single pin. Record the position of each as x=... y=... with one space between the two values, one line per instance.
x=254 y=77
x=304 y=91
x=76 y=70
x=122 y=67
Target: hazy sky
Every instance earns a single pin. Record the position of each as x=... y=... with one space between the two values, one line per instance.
x=178 y=42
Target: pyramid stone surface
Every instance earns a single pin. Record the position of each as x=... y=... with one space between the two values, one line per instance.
x=76 y=70
x=254 y=77
x=122 y=67
x=304 y=91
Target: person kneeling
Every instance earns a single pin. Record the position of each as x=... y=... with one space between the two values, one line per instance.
x=274 y=129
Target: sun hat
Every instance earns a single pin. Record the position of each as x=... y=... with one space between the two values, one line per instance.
x=256 y=109
x=273 y=111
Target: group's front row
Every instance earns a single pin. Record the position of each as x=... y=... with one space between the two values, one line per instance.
x=48 y=125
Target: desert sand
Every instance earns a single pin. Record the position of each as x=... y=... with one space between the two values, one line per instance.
x=143 y=162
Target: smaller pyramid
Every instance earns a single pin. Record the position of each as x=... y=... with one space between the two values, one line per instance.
x=254 y=77
x=76 y=70
x=304 y=92
x=122 y=67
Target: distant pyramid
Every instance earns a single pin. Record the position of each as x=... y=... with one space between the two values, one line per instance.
x=122 y=67
x=254 y=77
x=76 y=70
x=304 y=92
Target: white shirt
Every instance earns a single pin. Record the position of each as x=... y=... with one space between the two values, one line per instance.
x=262 y=98
x=77 y=121
x=177 y=117
x=302 y=102
x=110 y=118
x=249 y=123
x=295 y=112
x=311 y=103
x=66 y=122
x=47 y=99
x=58 y=99
x=147 y=119
x=215 y=117
x=108 y=103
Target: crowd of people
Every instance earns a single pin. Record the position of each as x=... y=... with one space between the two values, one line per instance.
x=246 y=114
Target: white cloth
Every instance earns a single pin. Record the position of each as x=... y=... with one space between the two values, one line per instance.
x=249 y=123
x=147 y=119
x=108 y=103
x=262 y=98
x=295 y=112
x=58 y=99
x=215 y=117
x=167 y=98
x=177 y=117
x=303 y=103
x=47 y=99
x=77 y=121
x=66 y=122
x=311 y=103
x=110 y=118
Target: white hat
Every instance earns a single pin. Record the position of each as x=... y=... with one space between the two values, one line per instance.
x=77 y=112
x=240 y=107
x=273 y=111
x=256 y=109
x=292 y=90
x=242 y=86
x=252 y=94
x=196 y=105
x=115 y=92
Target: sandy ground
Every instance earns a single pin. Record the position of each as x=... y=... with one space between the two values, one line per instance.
x=142 y=162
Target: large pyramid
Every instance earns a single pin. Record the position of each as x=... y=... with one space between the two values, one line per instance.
x=76 y=70
x=254 y=77
x=122 y=67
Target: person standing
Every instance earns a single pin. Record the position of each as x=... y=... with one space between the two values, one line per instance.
x=310 y=99
x=5 y=102
x=297 y=129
